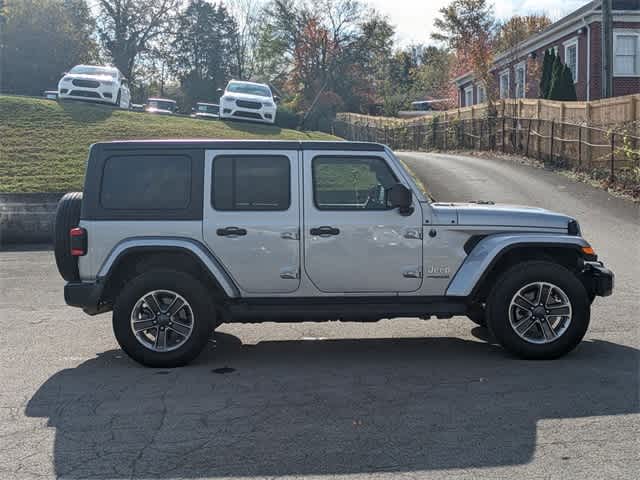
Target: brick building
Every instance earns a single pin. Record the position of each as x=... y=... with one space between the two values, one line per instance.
x=577 y=39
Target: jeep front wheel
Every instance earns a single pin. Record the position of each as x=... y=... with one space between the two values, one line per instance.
x=538 y=310
x=163 y=318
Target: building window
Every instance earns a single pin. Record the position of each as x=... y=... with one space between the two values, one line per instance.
x=504 y=84
x=521 y=79
x=571 y=57
x=482 y=94
x=626 y=48
x=468 y=96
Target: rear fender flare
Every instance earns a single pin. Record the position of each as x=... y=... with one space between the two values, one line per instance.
x=193 y=247
x=489 y=251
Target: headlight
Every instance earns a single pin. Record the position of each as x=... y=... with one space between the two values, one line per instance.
x=66 y=79
x=228 y=99
x=269 y=104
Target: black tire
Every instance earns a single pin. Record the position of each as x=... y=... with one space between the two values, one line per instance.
x=510 y=282
x=67 y=217
x=478 y=315
x=181 y=283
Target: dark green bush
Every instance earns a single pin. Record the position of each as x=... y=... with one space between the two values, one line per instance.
x=287 y=118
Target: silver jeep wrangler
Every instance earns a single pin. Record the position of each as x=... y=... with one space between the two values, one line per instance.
x=177 y=237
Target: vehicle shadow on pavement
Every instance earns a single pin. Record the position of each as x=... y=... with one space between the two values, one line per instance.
x=324 y=407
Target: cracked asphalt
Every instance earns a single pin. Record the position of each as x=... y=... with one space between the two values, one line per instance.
x=396 y=399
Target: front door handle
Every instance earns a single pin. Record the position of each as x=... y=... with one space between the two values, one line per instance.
x=325 y=231
x=231 y=232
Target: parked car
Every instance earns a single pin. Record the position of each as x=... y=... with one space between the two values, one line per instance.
x=207 y=111
x=95 y=83
x=248 y=101
x=163 y=106
x=177 y=237
x=137 y=107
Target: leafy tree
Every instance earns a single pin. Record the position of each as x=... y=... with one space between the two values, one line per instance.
x=40 y=39
x=128 y=28
x=511 y=33
x=203 y=49
x=547 y=71
x=468 y=28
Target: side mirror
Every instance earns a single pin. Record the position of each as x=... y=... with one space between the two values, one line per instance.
x=399 y=197
x=276 y=98
x=219 y=91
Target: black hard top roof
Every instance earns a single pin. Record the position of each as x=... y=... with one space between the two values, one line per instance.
x=244 y=145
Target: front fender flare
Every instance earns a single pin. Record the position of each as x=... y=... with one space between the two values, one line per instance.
x=489 y=250
x=188 y=245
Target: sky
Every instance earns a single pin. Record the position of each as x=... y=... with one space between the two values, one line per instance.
x=413 y=19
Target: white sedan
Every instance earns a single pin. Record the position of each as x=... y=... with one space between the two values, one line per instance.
x=248 y=101
x=96 y=84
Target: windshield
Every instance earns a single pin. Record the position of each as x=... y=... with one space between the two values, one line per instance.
x=207 y=108
x=162 y=104
x=250 y=89
x=89 y=70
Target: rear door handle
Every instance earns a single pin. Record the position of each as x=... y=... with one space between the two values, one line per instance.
x=325 y=231
x=231 y=232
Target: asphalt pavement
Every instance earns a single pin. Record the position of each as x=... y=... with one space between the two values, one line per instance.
x=394 y=399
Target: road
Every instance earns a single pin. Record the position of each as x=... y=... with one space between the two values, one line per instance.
x=396 y=399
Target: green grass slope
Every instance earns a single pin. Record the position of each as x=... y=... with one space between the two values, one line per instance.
x=44 y=144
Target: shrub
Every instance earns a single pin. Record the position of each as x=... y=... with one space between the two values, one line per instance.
x=287 y=118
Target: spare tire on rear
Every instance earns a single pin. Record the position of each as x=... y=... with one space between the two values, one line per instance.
x=67 y=217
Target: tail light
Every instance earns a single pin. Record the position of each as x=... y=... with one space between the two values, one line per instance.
x=78 y=241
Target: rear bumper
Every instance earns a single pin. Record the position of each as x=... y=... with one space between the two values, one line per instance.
x=85 y=295
x=600 y=278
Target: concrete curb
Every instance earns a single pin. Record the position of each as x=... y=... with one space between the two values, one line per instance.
x=27 y=217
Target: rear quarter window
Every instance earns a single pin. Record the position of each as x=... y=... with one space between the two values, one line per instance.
x=146 y=182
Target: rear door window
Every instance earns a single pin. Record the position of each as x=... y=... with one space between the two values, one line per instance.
x=146 y=182
x=251 y=182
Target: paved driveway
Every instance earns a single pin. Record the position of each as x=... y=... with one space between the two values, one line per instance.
x=394 y=399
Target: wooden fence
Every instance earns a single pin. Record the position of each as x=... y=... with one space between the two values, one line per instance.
x=563 y=144
x=617 y=111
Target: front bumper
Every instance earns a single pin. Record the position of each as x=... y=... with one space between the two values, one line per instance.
x=263 y=115
x=600 y=279
x=103 y=94
x=86 y=295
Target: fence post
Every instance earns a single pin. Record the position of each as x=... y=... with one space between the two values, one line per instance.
x=503 y=124
x=579 y=146
x=526 y=154
x=613 y=157
x=538 y=138
x=562 y=129
x=553 y=124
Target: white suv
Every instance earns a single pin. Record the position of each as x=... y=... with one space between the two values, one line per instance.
x=95 y=83
x=248 y=101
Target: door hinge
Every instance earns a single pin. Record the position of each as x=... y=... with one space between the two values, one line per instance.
x=414 y=233
x=412 y=272
x=290 y=273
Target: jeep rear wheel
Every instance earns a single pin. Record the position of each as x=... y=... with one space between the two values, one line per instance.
x=538 y=310
x=163 y=318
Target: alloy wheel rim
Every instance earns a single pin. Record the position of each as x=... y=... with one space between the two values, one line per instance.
x=540 y=312
x=162 y=320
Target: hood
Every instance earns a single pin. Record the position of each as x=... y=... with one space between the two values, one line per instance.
x=84 y=76
x=500 y=215
x=248 y=97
